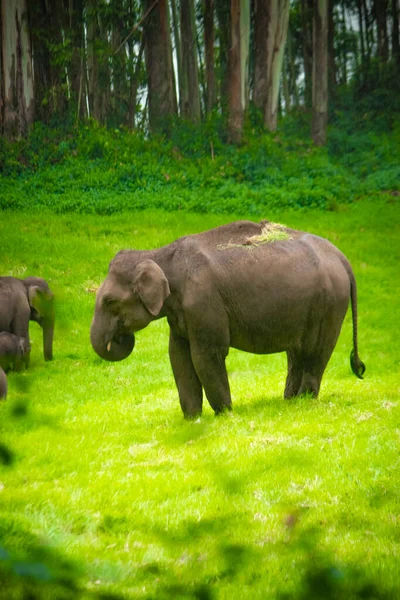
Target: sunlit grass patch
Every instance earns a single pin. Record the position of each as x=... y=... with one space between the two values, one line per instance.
x=108 y=473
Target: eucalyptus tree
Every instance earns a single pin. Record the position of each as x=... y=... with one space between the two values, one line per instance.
x=162 y=101
x=189 y=86
x=271 y=25
x=17 y=104
x=320 y=72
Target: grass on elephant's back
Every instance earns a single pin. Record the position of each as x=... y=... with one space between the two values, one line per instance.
x=108 y=471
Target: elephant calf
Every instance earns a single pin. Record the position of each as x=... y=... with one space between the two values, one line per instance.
x=14 y=351
x=3 y=385
x=257 y=287
x=24 y=300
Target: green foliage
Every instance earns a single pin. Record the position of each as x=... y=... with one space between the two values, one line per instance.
x=90 y=169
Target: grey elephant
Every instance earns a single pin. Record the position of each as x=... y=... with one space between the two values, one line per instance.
x=257 y=287
x=14 y=352
x=3 y=385
x=24 y=300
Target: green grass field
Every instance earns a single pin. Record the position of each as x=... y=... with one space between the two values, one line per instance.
x=279 y=499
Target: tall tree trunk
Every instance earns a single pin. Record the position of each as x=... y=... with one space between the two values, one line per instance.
x=224 y=27
x=120 y=93
x=93 y=35
x=368 y=34
x=271 y=25
x=396 y=33
x=235 y=106
x=211 y=98
x=381 y=8
x=161 y=88
x=276 y=39
x=49 y=24
x=41 y=16
x=190 y=101
x=244 y=50
x=76 y=68
x=17 y=105
x=306 y=18
x=178 y=49
x=331 y=50
x=260 y=84
x=344 y=57
x=320 y=72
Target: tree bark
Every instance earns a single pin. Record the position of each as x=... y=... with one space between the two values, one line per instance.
x=260 y=85
x=381 y=8
x=160 y=76
x=17 y=105
x=178 y=49
x=396 y=33
x=93 y=34
x=244 y=50
x=76 y=68
x=320 y=72
x=235 y=106
x=209 y=36
x=224 y=27
x=190 y=100
x=277 y=33
x=271 y=26
x=306 y=17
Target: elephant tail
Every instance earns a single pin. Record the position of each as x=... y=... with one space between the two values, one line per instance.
x=357 y=366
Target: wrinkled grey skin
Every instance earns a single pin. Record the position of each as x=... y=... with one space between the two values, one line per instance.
x=24 y=300
x=3 y=385
x=13 y=352
x=218 y=290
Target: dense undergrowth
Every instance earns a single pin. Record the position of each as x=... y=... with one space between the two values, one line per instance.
x=91 y=169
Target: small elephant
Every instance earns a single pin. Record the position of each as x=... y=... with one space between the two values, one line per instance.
x=3 y=385
x=24 y=300
x=14 y=351
x=257 y=287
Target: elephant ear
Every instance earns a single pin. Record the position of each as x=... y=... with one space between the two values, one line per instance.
x=39 y=299
x=151 y=285
x=34 y=294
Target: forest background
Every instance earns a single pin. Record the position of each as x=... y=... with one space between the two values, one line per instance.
x=131 y=123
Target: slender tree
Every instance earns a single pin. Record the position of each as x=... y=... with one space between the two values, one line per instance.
x=209 y=39
x=190 y=93
x=235 y=105
x=381 y=9
x=271 y=25
x=320 y=72
x=160 y=77
x=307 y=16
x=223 y=10
x=17 y=95
x=244 y=50
x=396 y=33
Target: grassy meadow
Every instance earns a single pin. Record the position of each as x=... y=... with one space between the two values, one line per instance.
x=111 y=493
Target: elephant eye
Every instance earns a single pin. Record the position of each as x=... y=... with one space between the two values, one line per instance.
x=109 y=302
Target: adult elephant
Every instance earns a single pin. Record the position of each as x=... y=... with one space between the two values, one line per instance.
x=257 y=287
x=24 y=300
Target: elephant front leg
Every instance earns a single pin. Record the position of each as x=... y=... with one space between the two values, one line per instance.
x=186 y=379
x=209 y=363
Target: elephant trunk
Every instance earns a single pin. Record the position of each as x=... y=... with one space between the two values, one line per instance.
x=110 y=345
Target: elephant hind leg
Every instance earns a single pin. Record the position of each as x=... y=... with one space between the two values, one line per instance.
x=314 y=366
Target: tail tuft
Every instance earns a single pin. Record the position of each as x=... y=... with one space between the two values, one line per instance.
x=357 y=366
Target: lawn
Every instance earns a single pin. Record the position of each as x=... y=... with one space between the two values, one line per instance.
x=279 y=499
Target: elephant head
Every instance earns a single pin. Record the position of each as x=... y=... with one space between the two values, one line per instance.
x=130 y=298
x=41 y=302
